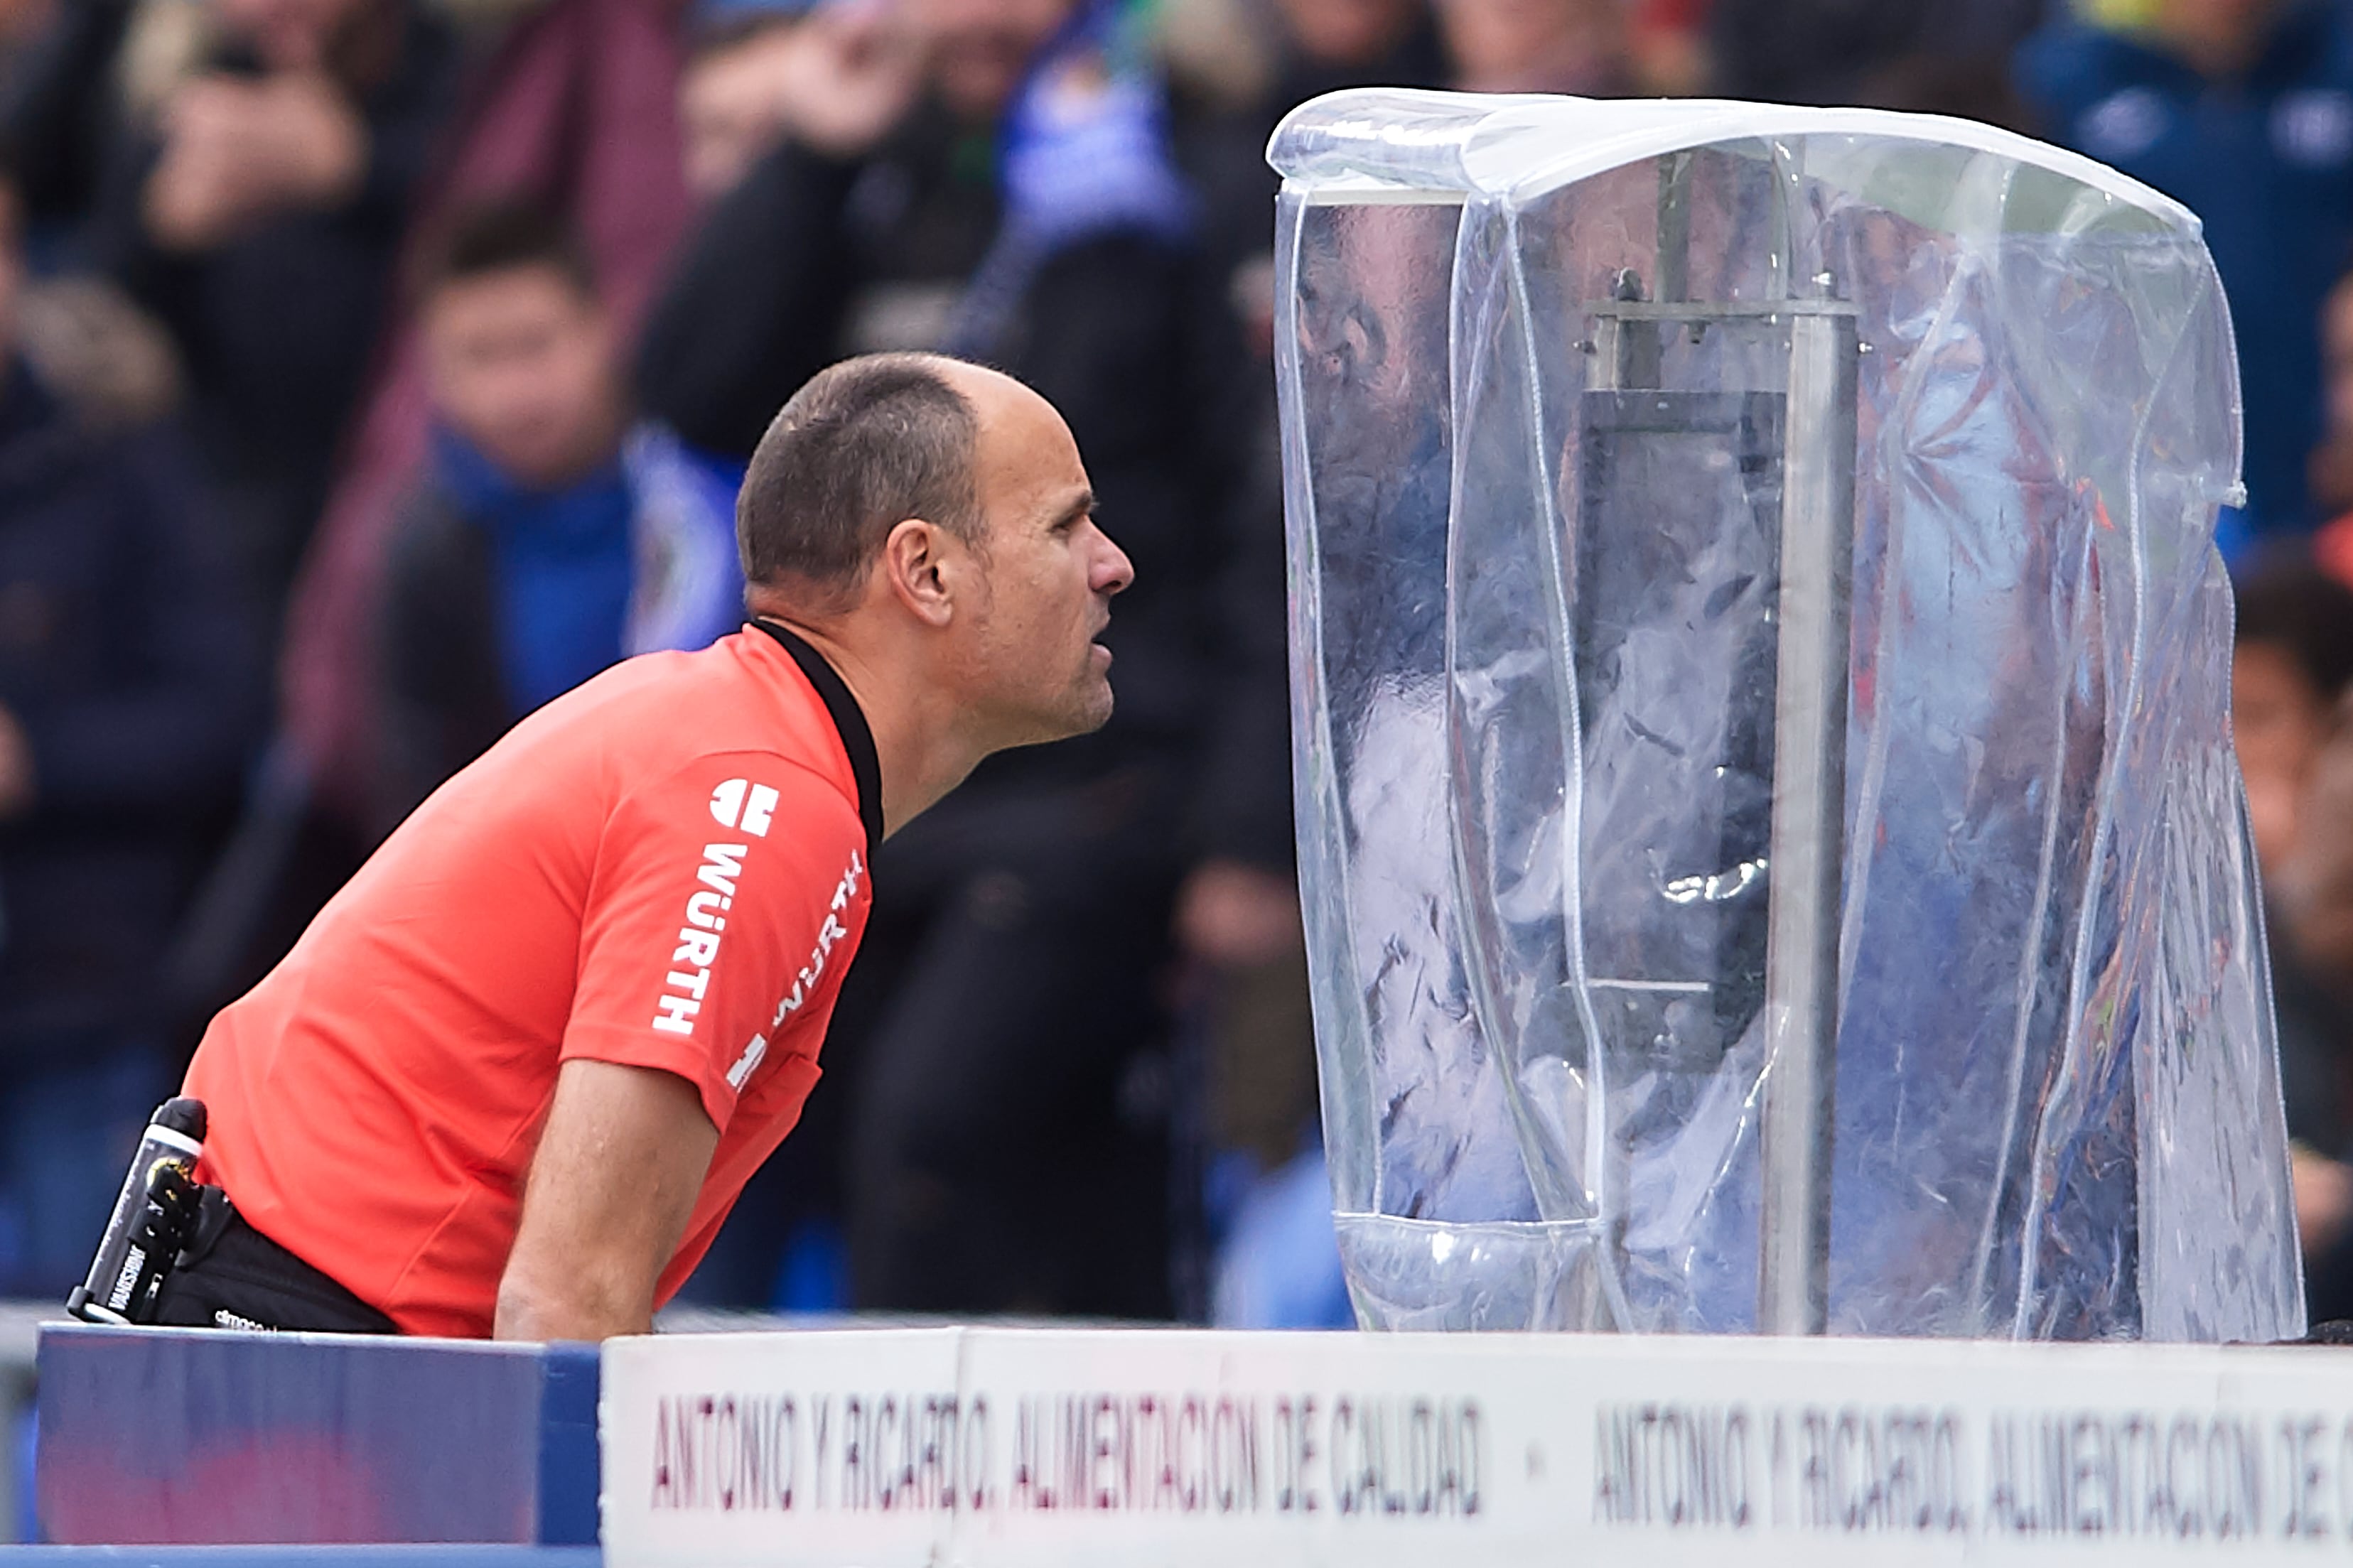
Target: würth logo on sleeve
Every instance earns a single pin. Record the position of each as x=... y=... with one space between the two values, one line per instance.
x=740 y=803
x=830 y=930
x=705 y=927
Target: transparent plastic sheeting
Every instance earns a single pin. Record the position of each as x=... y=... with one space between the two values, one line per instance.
x=1533 y=684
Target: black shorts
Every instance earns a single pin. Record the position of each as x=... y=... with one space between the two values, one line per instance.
x=233 y=1276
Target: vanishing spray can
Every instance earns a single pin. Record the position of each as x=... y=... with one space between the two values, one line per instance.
x=132 y=1258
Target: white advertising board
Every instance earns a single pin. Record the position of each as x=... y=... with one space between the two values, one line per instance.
x=870 y=1449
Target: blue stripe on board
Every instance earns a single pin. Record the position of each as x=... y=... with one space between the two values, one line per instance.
x=437 y=1556
x=568 y=1460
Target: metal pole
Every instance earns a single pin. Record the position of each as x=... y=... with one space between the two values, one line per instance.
x=1806 y=845
x=1674 y=226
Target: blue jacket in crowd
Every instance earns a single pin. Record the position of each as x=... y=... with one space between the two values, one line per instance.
x=501 y=598
x=2267 y=161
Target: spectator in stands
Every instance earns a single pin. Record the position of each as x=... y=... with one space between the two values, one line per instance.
x=2291 y=663
x=549 y=537
x=1964 y=87
x=1538 y=45
x=992 y=177
x=258 y=211
x=577 y=106
x=130 y=694
x=1274 y=1262
x=22 y=22
x=2293 y=657
x=1326 y=45
x=1836 y=51
x=1669 y=38
x=60 y=96
x=1321 y=45
x=2331 y=466
x=2311 y=903
x=732 y=94
x=2244 y=110
x=2312 y=895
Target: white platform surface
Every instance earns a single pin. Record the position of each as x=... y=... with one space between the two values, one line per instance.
x=1123 y=1447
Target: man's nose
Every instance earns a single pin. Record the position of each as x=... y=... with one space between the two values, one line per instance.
x=1114 y=572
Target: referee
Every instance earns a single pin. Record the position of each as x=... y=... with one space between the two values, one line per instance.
x=513 y=1076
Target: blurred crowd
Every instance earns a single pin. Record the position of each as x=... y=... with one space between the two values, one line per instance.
x=374 y=370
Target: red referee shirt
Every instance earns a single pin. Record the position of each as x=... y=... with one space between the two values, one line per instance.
x=665 y=868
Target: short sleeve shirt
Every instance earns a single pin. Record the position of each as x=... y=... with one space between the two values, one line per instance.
x=666 y=867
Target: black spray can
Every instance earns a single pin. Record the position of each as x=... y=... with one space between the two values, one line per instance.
x=138 y=1248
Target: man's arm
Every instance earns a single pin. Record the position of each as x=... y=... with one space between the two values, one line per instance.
x=620 y=1162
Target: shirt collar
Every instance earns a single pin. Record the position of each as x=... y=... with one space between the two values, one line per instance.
x=849 y=720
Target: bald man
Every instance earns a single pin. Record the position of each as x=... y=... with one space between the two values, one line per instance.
x=513 y=1076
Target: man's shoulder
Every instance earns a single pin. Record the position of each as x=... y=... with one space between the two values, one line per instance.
x=662 y=744
x=663 y=714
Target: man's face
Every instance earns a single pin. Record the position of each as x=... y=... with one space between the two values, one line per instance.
x=1027 y=650
x=521 y=364
x=979 y=49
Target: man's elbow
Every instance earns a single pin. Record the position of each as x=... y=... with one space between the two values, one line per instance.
x=583 y=1303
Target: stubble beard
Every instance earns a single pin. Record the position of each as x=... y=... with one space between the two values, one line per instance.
x=1085 y=708
x=1100 y=701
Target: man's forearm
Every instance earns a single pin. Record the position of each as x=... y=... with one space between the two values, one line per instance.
x=612 y=1185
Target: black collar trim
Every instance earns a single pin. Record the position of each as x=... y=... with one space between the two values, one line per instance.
x=857 y=736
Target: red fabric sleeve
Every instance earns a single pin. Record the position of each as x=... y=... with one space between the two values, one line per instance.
x=721 y=894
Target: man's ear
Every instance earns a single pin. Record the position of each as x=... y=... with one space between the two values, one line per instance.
x=918 y=567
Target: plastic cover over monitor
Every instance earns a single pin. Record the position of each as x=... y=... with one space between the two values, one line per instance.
x=1535 y=612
